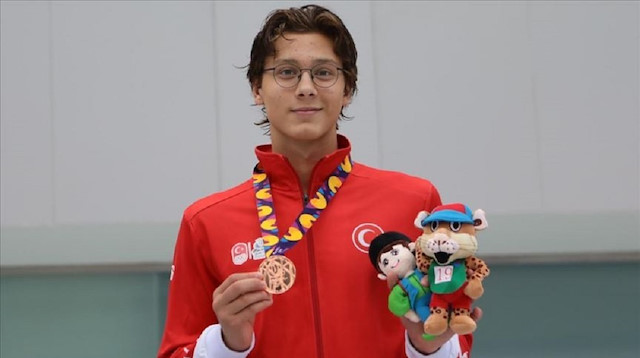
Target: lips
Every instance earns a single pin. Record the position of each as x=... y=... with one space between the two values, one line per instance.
x=306 y=110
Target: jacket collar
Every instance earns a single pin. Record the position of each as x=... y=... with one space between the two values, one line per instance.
x=282 y=175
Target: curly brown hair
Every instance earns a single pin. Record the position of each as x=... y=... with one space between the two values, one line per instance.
x=305 y=19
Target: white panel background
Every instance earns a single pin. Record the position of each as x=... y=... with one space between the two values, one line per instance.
x=134 y=109
x=117 y=115
x=462 y=111
x=26 y=115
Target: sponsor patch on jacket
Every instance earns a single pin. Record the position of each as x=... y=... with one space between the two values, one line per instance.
x=243 y=251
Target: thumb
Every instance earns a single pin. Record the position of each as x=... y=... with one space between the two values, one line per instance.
x=476 y=313
x=392 y=279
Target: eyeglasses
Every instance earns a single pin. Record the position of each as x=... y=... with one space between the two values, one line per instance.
x=323 y=75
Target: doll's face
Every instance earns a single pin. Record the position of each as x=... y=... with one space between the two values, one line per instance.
x=399 y=260
x=446 y=242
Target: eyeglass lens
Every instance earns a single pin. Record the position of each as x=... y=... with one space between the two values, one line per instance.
x=323 y=75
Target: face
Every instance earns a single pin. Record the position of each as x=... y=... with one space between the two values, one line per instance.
x=448 y=241
x=399 y=260
x=304 y=113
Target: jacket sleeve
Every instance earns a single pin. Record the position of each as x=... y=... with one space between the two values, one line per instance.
x=211 y=345
x=191 y=287
x=433 y=199
x=457 y=346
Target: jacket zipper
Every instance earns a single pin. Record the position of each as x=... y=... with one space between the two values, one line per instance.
x=314 y=297
x=313 y=280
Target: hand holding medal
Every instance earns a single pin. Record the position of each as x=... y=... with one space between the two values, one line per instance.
x=279 y=272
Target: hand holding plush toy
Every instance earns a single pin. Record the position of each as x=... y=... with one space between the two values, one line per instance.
x=394 y=252
x=445 y=251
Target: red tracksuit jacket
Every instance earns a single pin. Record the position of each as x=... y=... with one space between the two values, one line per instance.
x=337 y=306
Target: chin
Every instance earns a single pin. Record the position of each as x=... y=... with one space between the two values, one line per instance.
x=309 y=133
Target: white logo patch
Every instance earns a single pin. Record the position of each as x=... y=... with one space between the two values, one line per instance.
x=240 y=253
x=258 y=249
x=363 y=234
x=243 y=251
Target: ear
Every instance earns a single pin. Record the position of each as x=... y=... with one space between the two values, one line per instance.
x=418 y=221
x=479 y=220
x=412 y=246
x=346 y=100
x=257 y=96
x=382 y=277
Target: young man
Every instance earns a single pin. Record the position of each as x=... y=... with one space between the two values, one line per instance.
x=307 y=205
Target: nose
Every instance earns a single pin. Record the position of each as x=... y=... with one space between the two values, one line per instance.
x=305 y=86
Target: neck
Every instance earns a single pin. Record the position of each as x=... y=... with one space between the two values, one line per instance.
x=303 y=156
x=303 y=168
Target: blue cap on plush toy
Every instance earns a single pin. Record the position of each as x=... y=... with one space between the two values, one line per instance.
x=451 y=213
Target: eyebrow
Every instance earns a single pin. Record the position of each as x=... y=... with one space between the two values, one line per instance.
x=317 y=61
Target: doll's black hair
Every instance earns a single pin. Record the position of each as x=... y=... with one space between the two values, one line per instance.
x=381 y=242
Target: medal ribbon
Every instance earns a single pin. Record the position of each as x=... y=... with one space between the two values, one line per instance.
x=275 y=245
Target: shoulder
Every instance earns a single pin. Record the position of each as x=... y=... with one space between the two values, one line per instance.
x=393 y=179
x=219 y=199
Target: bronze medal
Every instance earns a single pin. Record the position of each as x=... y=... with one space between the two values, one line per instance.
x=279 y=273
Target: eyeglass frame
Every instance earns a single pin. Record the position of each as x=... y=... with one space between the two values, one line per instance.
x=275 y=78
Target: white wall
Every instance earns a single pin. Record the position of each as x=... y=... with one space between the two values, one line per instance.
x=116 y=115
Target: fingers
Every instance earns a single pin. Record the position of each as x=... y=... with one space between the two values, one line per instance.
x=470 y=273
x=233 y=278
x=251 y=310
x=476 y=313
x=248 y=304
x=246 y=315
x=238 y=284
x=241 y=294
x=236 y=302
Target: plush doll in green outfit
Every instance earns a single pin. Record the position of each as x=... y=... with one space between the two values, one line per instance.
x=394 y=252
